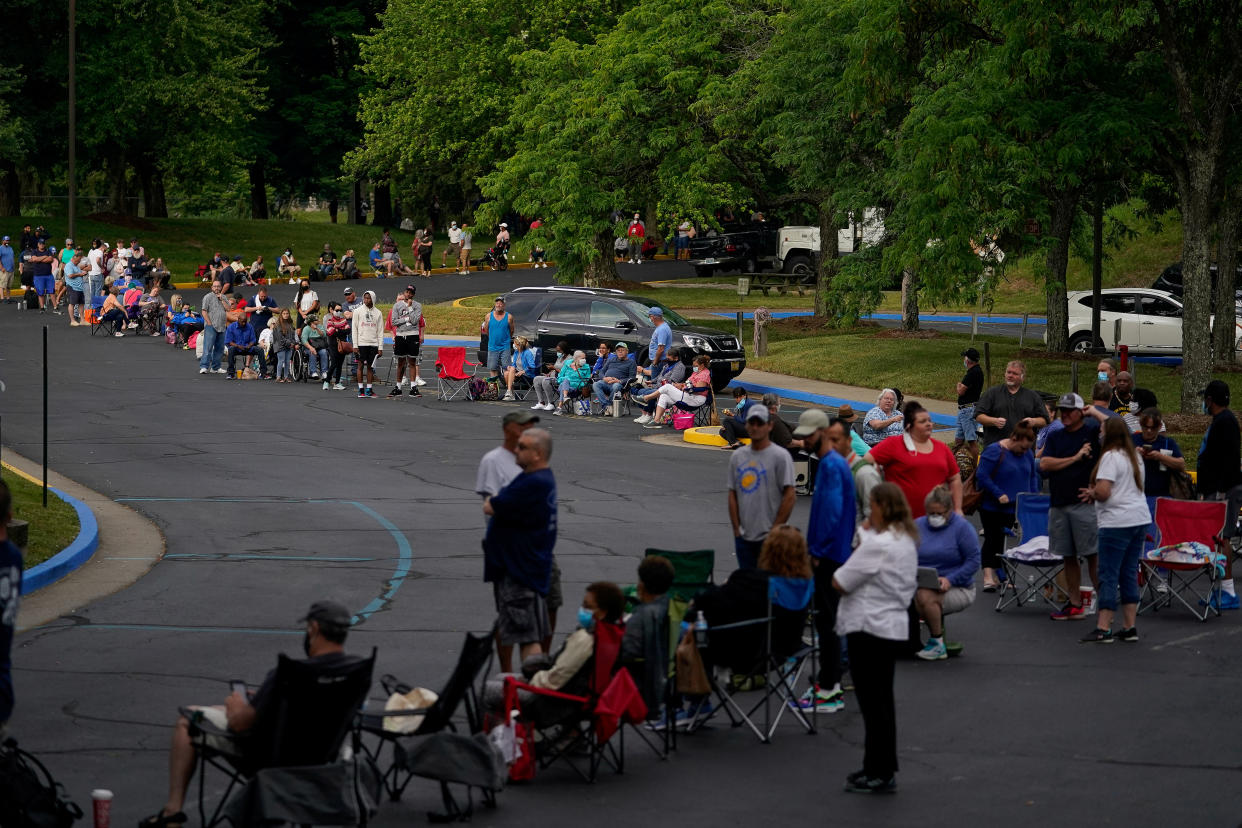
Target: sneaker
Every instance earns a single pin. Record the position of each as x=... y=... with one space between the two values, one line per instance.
x=326 y=385
x=652 y=425
x=1097 y=636
x=414 y=392
x=229 y=376
x=815 y=700
x=202 y=370
x=118 y=333
x=219 y=371
x=508 y=397
x=370 y=392
x=558 y=412
x=1130 y=634
x=643 y=420
x=395 y=392
x=934 y=650
x=1221 y=600
x=856 y=783
x=315 y=375
x=694 y=714
x=362 y=395
x=1069 y=612
x=338 y=387
x=537 y=407
x=420 y=381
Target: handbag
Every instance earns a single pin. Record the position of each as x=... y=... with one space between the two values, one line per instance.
x=683 y=420
x=691 y=675
x=29 y=796
x=343 y=347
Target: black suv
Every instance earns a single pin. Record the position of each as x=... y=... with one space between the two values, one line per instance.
x=1171 y=280
x=585 y=317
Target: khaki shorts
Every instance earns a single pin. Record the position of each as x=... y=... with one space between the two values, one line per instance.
x=454 y=249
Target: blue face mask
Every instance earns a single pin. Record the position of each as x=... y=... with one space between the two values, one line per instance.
x=1205 y=407
x=586 y=618
x=1102 y=376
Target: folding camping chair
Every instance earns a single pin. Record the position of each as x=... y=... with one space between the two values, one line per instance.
x=782 y=660
x=1189 y=533
x=612 y=699
x=444 y=755
x=454 y=372
x=94 y=314
x=702 y=413
x=1032 y=553
x=302 y=722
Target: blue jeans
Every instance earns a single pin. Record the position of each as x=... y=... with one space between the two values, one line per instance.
x=966 y=428
x=213 y=348
x=604 y=392
x=94 y=284
x=282 y=364
x=1119 y=550
x=318 y=360
x=747 y=552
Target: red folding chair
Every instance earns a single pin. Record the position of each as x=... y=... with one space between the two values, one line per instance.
x=611 y=700
x=454 y=372
x=1187 y=557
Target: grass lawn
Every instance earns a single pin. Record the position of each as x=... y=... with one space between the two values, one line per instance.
x=51 y=529
x=185 y=244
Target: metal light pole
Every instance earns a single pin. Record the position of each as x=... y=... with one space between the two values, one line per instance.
x=73 y=118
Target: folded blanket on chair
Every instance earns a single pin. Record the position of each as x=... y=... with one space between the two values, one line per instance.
x=1036 y=549
x=1189 y=552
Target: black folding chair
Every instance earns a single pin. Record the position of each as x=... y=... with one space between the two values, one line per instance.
x=303 y=721
x=408 y=751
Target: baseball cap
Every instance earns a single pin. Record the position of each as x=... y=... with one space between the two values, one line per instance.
x=453 y=224
x=655 y=311
x=328 y=612
x=757 y=412
x=846 y=413
x=809 y=422
x=622 y=345
x=6 y=238
x=971 y=354
x=1218 y=391
x=502 y=224
x=237 y=258
x=348 y=291
x=520 y=417
x=1070 y=400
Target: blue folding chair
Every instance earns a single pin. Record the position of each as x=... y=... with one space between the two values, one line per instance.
x=702 y=413
x=782 y=663
x=1028 y=574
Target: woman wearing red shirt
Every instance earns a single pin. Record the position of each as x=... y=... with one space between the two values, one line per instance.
x=917 y=462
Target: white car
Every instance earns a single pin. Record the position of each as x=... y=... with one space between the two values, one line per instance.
x=1151 y=320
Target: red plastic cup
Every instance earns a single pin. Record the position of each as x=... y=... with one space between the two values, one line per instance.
x=102 y=800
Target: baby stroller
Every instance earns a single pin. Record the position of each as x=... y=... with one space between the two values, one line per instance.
x=496 y=259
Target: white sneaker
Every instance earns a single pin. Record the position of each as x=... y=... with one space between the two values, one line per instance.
x=338 y=387
x=202 y=370
x=537 y=407
x=420 y=381
x=293 y=281
x=507 y=397
x=326 y=385
x=315 y=375
x=219 y=371
x=643 y=420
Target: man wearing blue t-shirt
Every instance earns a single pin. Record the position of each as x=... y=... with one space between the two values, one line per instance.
x=661 y=338
x=10 y=590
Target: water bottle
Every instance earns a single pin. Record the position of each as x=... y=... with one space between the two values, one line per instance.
x=700 y=631
x=616 y=405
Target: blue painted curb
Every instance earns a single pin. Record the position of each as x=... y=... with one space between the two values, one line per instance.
x=823 y=399
x=934 y=317
x=72 y=556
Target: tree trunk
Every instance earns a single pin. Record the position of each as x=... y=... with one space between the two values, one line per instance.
x=909 y=300
x=154 y=202
x=829 y=263
x=334 y=205
x=10 y=190
x=258 y=191
x=382 y=217
x=1062 y=206
x=1227 y=224
x=601 y=268
x=117 y=187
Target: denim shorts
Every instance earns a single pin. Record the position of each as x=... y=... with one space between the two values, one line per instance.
x=966 y=428
x=493 y=360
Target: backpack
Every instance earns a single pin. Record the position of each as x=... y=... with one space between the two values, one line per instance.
x=481 y=390
x=31 y=298
x=29 y=796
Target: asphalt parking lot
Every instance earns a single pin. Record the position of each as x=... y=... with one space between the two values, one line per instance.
x=273 y=496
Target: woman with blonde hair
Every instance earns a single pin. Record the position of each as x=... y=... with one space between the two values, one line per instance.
x=876 y=585
x=1123 y=518
x=522 y=363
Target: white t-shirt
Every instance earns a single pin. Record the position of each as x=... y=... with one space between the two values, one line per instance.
x=497 y=469
x=1126 y=505
x=308 y=301
x=95 y=257
x=454 y=235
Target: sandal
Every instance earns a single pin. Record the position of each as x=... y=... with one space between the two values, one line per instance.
x=990 y=586
x=160 y=820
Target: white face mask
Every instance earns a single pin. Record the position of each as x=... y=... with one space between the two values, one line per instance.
x=937 y=521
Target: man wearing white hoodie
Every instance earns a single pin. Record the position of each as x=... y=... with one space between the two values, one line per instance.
x=368 y=325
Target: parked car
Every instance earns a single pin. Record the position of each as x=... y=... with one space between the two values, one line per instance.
x=584 y=317
x=1151 y=320
x=1170 y=280
x=744 y=248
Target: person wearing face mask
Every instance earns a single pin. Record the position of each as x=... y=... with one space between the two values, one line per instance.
x=949 y=545
x=368 y=325
x=569 y=670
x=338 y=329
x=326 y=627
x=968 y=391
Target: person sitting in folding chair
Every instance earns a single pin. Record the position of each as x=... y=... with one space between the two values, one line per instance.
x=949 y=545
x=523 y=362
x=327 y=624
x=645 y=645
x=569 y=670
x=694 y=392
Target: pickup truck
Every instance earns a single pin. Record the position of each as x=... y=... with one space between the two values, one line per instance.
x=745 y=248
